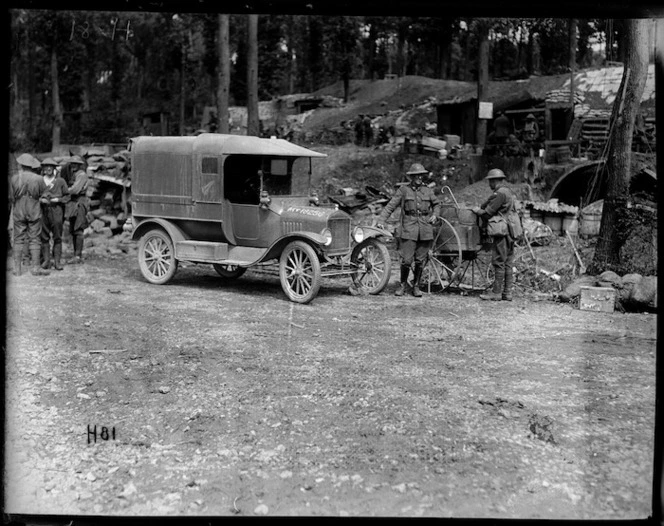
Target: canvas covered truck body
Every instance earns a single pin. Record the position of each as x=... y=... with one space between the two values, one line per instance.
x=237 y=201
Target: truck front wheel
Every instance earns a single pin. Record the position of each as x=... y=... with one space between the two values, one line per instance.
x=373 y=263
x=156 y=257
x=299 y=272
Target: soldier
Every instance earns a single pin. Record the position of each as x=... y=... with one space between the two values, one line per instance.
x=26 y=188
x=419 y=211
x=53 y=212
x=359 y=130
x=76 y=210
x=499 y=205
x=367 y=129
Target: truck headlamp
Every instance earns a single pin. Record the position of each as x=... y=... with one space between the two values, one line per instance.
x=358 y=235
x=327 y=234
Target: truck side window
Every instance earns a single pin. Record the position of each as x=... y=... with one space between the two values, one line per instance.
x=210 y=180
x=241 y=179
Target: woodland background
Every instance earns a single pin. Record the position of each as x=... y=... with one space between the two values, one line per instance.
x=104 y=70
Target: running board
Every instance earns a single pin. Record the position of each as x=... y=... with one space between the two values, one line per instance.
x=211 y=252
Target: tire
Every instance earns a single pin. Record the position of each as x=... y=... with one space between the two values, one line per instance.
x=299 y=272
x=374 y=266
x=156 y=257
x=229 y=271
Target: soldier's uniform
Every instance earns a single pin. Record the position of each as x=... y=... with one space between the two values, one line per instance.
x=419 y=210
x=501 y=202
x=26 y=188
x=76 y=210
x=53 y=213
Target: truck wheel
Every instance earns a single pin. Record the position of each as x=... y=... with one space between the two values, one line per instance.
x=374 y=266
x=156 y=257
x=299 y=272
x=229 y=271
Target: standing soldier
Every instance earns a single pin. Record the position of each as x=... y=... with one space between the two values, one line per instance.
x=419 y=211
x=76 y=210
x=53 y=214
x=359 y=130
x=499 y=206
x=368 y=131
x=26 y=188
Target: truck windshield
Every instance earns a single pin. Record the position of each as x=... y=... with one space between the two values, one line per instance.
x=286 y=176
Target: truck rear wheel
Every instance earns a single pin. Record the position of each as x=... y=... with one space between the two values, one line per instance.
x=229 y=271
x=299 y=272
x=374 y=266
x=156 y=257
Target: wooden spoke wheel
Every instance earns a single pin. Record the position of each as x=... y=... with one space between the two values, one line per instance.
x=372 y=259
x=156 y=257
x=299 y=272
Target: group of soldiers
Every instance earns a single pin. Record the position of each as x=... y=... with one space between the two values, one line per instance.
x=420 y=210
x=42 y=196
x=503 y=141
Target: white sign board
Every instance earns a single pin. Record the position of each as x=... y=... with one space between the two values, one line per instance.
x=486 y=110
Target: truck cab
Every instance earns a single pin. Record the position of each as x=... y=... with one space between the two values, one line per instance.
x=238 y=201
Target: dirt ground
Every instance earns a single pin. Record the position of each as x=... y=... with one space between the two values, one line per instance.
x=223 y=398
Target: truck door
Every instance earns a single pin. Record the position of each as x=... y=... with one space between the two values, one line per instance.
x=242 y=191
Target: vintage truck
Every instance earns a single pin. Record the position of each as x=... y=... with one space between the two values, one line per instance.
x=239 y=201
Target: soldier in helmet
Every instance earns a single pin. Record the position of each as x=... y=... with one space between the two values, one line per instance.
x=419 y=211
x=53 y=212
x=499 y=205
x=26 y=188
x=76 y=210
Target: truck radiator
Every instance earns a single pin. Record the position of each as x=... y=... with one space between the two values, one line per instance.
x=340 y=229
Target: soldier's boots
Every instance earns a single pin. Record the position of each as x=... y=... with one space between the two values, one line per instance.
x=78 y=250
x=401 y=290
x=497 y=293
x=18 y=260
x=46 y=256
x=509 y=285
x=416 y=281
x=37 y=270
x=57 y=256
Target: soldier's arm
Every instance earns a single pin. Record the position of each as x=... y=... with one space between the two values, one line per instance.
x=494 y=203
x=390 y=207
x=79 y=183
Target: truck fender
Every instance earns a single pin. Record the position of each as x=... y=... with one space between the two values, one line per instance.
x=316 y=240
x=372 y=231
x=156 y=222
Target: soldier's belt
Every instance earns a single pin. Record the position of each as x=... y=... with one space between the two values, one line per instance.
x=417 y=213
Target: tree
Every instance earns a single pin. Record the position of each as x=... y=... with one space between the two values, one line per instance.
x=253 y=125
x=613 y=230
x=223 y=92
x=482 y=28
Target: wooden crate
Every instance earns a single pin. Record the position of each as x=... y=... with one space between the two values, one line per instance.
x=597 y=299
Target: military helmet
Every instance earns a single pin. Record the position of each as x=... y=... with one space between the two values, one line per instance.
x=530 y=117
x=28 y=160
x=49 y=162
x=76 y=160
x=496 y=173
x=416 y=169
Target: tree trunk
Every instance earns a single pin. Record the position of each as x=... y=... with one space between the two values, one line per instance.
x=373 y=35
x=32 y=99
x=482 y=79
x=183 y=80
x=292 y=71
x=253 y=125
x=224 y=74
x=572 y=59
x=613 y=231
x=57 y=110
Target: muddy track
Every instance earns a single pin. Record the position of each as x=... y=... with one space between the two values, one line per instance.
x=226 y=399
